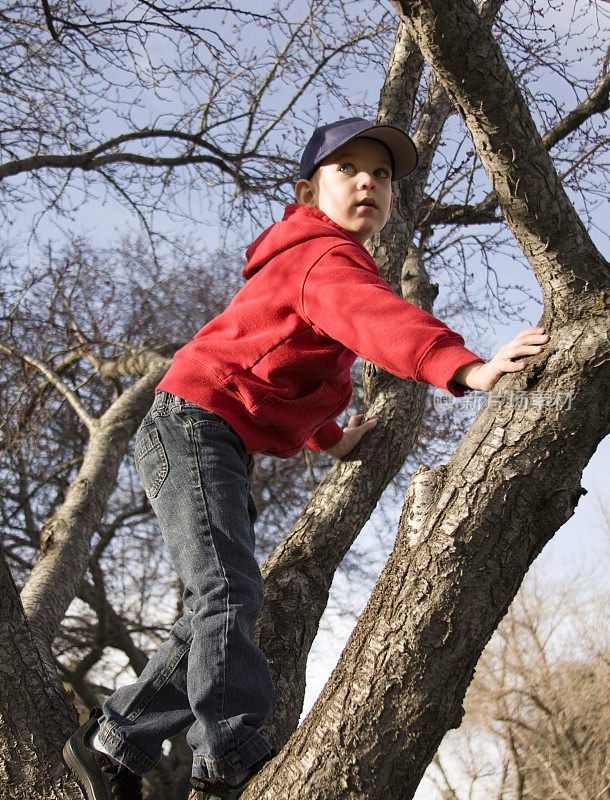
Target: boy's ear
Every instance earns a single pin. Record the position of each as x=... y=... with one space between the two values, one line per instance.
x=305 y=193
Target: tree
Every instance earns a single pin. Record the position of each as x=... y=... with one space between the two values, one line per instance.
x=537 y=710
x=470 y=529
x=50 y=540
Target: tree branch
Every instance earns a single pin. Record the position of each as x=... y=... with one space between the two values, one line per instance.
x=54 y=379
x=49 y=20
x=484 y=213
x=88 y=162
x=66 y=535
x=137 y=361
x=596 y=103
x=99 y=156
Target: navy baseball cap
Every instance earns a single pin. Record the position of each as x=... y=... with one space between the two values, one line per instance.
x=328 y=138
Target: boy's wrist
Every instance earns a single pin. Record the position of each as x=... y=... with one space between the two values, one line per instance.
x=467 y=375
x=338 y=450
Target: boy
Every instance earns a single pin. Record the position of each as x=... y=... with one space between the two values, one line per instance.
x=268 y=375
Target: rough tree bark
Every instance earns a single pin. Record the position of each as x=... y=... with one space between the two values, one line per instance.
x=299 y=572
x=469 y=530
x=37 y=715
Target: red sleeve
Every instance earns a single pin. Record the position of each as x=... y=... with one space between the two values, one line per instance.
x=326 y=436
x=348 y=302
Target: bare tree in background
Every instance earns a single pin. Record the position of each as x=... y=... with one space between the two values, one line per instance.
x=469 y=530
x=538 y=712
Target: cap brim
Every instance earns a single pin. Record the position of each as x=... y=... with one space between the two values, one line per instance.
x=399 y=144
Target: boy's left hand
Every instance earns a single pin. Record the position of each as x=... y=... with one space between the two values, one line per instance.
x=485 y=376
x=351 y=435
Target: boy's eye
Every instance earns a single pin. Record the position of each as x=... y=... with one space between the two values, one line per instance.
x=349 y=169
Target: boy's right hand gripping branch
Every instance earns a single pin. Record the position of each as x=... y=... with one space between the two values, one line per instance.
x=484 y=377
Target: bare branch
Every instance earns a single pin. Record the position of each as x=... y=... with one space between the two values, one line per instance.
x=49 y=20
x=54 y=379
x=596 y=103
x=97 y=157
x=485 y=212
x=138 y=361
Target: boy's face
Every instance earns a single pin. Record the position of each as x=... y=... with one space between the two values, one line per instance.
x=353 y=186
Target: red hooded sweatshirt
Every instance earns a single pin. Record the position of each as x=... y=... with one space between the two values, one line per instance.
x=276 y=363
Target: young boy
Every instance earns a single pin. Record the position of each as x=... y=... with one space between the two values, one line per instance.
x=268 y=375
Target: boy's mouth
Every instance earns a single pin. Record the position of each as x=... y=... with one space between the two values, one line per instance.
x=367 y=201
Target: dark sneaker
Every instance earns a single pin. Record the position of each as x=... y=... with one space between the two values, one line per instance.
x=96 y=773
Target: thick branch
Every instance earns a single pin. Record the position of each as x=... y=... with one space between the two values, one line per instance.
x=431 y=213
x=134 y=362
x=66 y=535
x=471 y=67
x=87 y=162
x=107 y=153
x=468 y=531
x=401 y=82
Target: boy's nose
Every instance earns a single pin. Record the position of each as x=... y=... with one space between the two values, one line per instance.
x=365 y=179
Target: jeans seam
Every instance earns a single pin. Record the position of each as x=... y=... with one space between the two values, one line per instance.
x=222 y=721
x=240 y=757
x=158 y=683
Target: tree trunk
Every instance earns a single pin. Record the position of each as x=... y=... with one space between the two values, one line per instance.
x=299 y=572
x=468 y=533
x=37 y=715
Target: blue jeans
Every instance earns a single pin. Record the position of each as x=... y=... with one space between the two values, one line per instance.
x=208 y=674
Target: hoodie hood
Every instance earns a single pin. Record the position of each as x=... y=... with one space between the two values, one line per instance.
x=299 y=224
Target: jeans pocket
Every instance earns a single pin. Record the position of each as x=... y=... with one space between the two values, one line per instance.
x=151 y=462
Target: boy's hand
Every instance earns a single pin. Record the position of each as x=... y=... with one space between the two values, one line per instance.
x=351 y=436
x=485 y=376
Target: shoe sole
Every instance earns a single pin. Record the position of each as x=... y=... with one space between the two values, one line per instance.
x=77 y=769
